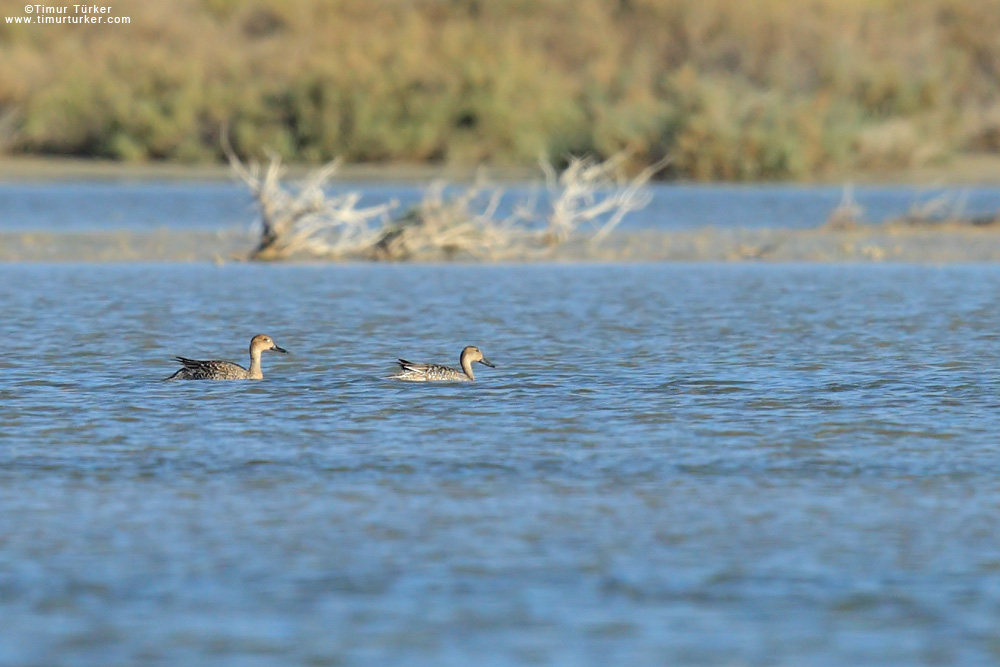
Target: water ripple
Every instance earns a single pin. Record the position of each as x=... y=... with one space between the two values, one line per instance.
x=666 y=459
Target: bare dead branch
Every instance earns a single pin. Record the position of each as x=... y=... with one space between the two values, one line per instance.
x=588 y=191
x=847 y=214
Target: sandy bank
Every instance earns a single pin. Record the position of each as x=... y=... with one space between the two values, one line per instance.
x=931 y=244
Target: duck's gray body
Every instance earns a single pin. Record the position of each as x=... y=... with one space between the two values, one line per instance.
x=227 y=370
x=420 y=372
x=211 y=370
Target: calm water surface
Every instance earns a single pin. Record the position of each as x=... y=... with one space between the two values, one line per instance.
x=143 y=206
x=716 y=464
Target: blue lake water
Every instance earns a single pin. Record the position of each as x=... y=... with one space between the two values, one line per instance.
x=137 y=206
x=677 y=463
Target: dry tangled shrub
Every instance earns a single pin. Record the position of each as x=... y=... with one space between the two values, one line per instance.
x=588 y=195
x=947 y=208
x=448 y=227
x=589 y=191
x=847 y=214
x=307 y=221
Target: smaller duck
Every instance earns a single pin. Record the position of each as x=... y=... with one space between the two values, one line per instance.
x=412 y=372
x=227 y=370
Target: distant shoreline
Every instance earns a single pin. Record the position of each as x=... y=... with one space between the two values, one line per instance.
x=946 y=243
x=966 y=169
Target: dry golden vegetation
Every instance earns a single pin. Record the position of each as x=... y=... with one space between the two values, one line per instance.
x=730 y=90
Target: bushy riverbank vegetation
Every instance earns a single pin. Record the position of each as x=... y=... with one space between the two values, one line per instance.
x=730 y=90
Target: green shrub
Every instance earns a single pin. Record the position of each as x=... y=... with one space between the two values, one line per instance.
x=764 y=90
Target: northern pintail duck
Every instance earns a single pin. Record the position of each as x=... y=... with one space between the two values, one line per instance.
x=227 y=370
x=412 y=372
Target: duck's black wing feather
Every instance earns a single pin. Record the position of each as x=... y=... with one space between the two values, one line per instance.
x=190 y=363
